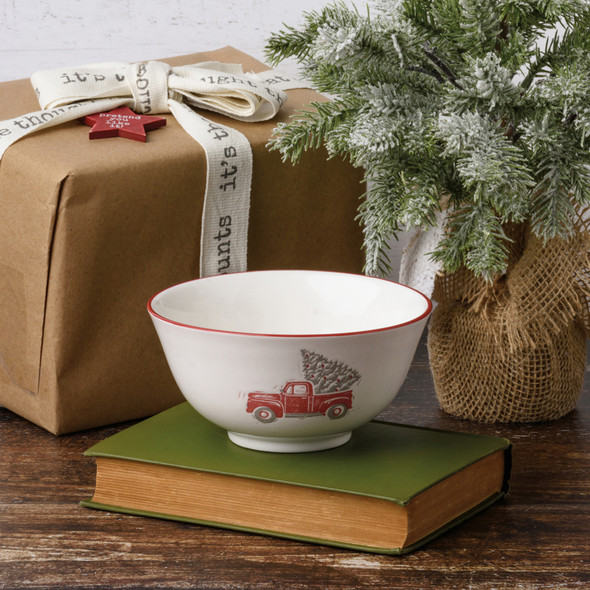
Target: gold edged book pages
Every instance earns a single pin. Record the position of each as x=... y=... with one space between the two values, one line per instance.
x=389 y=490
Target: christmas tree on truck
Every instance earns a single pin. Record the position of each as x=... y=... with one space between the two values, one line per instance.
x=327 y=375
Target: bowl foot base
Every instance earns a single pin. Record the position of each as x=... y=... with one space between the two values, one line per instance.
x=289 y=444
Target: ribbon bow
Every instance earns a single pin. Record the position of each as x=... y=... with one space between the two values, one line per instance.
x=155 y=87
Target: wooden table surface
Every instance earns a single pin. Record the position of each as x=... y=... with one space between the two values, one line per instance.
x=538 y=537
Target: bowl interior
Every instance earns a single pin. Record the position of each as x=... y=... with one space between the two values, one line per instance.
x=290 y=303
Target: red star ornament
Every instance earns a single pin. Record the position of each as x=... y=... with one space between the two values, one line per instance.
x=122 y=122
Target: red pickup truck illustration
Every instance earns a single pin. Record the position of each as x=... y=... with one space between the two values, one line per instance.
x=298 y=398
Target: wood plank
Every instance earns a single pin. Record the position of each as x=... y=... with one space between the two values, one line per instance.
x=536 y=538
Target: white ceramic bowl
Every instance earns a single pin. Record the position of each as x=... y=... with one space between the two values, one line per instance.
x=289 y=361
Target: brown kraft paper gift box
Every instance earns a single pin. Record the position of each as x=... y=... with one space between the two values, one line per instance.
x=90 y=230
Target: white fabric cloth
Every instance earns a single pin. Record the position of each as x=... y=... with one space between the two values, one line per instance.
x=417 y=269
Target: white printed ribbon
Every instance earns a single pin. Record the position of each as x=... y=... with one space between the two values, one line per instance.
x=155 y=87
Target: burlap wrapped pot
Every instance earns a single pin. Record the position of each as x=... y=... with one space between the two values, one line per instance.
x=514 y=350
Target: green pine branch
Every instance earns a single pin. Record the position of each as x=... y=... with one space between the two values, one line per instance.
x=446 y=104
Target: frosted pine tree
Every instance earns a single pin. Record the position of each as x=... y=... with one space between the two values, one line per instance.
x=327 y=375
x=478 y=108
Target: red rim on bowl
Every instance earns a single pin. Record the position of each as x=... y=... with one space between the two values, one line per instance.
x=426 y=313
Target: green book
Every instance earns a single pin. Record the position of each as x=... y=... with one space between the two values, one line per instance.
x=390 y=489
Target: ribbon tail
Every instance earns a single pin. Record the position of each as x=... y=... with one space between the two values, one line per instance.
x=14 y=129
x=226 y=208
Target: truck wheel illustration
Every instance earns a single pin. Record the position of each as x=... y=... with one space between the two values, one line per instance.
x=264 y=415
x=337 y=411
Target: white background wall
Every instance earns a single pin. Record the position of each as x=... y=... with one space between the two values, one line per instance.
x=36 y=34
x=39 y=34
